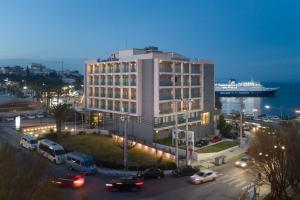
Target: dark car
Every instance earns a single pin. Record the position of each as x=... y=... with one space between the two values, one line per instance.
x=185 y=171
x=230 y=135
x=151 y=173
x=74 y=181
x=215 y=139
x=202 y=142
x=130 y=183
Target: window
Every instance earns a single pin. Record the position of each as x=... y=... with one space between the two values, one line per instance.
x=205 y=118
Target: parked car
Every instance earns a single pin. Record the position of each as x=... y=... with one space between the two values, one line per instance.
x=185 y=171
x=215 y=139
x=30 y=116
x=28 y=142
x=70 y=180
x=10 y=119
x=130 y=183
x=81 y=162
x=202 y=142
x=39 y=115
x=51 y=150
x=203 y=176
x=243 y=162
x=151 y=173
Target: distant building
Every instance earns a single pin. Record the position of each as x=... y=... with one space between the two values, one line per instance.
x=39 y=69
x=18 y=70
x=145 y=84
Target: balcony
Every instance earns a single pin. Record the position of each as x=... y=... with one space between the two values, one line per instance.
x=195 y=95
x=102 y=94
x=102 y=82
x=125 y=96
x=186 y=83
x=178 y=96
x=196 y=71
x=117 y=70
x=186 y=95
x=117 y=108
x=195 y=83
x=109 y=82
x=165 y=97
x=166 y=69
x=102 y=106
x=133 y=69
x=166 y=111
x=96 y=94
x=102 y=70
x=126 y=69
x=165 y=83
x=117 y=83
x=132 y=110
x=159 y=125
x=110 y=70
x=125 y=109
x=109 y=107
x=96 y=82
x=133 y=83
x=186 y=70
x=109 y=95
x=117 y=95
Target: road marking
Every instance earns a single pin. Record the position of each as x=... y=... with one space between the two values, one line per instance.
x=228 y=180
x=234 y=181
x=241 y=184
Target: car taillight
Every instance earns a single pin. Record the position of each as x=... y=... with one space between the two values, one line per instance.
x=108 y=185
x=139 y=183
x=79 y=181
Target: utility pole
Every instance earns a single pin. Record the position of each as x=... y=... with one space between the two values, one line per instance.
x=242 y=104
x=176 y=133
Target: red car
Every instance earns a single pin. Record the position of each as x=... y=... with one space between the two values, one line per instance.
x=74 y=181
x=215 y=139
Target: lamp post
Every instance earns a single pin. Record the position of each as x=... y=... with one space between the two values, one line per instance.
x=125 y=118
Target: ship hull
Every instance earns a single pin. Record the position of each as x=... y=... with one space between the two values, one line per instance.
x=270 y=93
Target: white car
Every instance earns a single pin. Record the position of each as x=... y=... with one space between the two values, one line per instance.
x=28 y=142
x=203 y=176
x=31 y=117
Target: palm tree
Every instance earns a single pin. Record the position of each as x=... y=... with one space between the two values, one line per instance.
x=60 y=112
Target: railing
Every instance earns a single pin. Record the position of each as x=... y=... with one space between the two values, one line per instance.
x=186 y=83
x=125 y=96
x=96 y=82
x=178 y=69
x=166 y=111
x=133 y=83
x=194 y=107
x=195 y=95
x=159 y=125
x=126 y=69
x=133 y=110
x=165 y=83
x=102 y=106
x=125 y=109
x=185 y=96
x=117 y=95
x=96 y=94
x=178 y=96
x=109 y=95
x=109 y=82
x=102 y=82
x=110 y=70
x=165 y=69
x=117 y=70
x=186 y=70
x=133 y=69
x=195 y=83
x=103 y=94
x=109 y=107
x=133 y=96
x=117 y=109
x=117 y=83
x=165 y=97
x=196 y=71
x=125 y=82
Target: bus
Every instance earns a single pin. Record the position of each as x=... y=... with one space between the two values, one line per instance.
x=51 y=150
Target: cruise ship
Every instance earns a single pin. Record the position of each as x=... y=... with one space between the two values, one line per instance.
x=243 y=89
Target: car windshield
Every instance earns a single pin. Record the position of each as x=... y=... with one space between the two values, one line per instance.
x=33 y=141
x=59 y=152
x=244 y=159
x=200 y=174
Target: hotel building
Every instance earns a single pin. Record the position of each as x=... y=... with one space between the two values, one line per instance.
x=147 y=84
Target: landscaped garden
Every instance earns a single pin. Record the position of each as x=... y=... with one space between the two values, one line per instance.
x=106 y=152
x=218 y=147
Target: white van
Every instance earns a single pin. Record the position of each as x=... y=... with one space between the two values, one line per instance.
x=51 y=150
x=28 y=142
x=81 y=163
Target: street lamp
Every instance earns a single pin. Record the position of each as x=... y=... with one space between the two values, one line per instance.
x=297 y=111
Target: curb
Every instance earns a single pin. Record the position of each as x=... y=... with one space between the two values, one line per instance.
x=115 y=172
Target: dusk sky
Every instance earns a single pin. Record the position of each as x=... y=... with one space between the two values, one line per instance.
x=256 y=39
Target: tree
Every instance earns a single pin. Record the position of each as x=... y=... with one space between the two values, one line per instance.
x=223 y=126
x=60 y=112
x=276 y=154
x=22 y=176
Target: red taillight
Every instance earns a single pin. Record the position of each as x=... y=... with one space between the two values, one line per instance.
x=139 y=183
x=79 y=181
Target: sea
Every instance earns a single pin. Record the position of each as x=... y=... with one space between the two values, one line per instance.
x=287 y=99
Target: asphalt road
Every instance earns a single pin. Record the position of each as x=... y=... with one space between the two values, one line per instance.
x=231 y=181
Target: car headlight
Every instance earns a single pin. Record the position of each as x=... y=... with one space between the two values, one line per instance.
x=243 y=164
x=237 y=163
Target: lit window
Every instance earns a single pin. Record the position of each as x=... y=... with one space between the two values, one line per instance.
x=205 y=118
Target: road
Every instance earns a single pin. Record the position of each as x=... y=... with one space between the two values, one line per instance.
x=231 y=181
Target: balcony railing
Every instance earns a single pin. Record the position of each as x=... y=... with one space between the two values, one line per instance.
x=166 y=111
x=117 y=95
x=109 y=107
x=165 y=97
x=117 y=108
x=125 y=96
x=178 y=69
x=125 y=109
x=132 y=110
x=159 y=125
x=133 y=83
x=126 y=69
x=117 y=70
x=102 y=106
x=133 y=69
x=102 y=94
x=96 y=94
x=196 y=71
x=117 y=83
x=96 y=82
x=195 y=83
x=165 y=83
x=195 y=95
x=109 y=95
x=178 y=96
x=102 y=82
x=109 y=82
x=165 y=69
x=186 y=83
x=186 y=70
x=125 y=83
x=133 y=96
x=185 y=96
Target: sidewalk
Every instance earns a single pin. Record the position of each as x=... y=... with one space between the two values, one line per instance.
x=120 y=172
